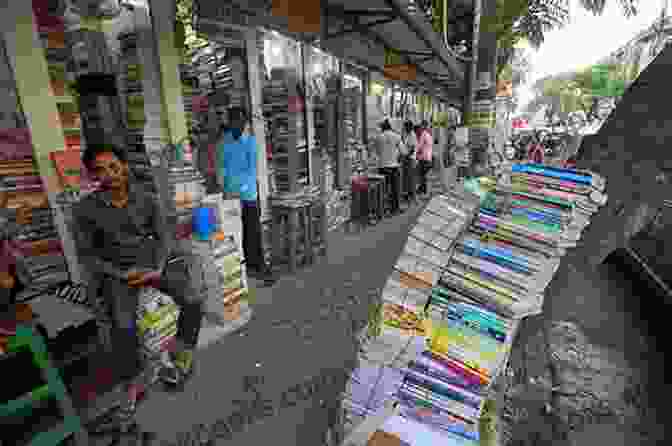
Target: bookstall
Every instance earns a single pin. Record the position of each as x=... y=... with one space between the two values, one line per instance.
x=476 y=263
x=49 y=113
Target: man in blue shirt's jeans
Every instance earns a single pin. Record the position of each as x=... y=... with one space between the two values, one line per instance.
x=237 y=172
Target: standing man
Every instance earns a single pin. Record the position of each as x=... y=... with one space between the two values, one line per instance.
x=410 y=142
x=424 y=155
x=125 y=239
x=237 y=175
x=388 y=146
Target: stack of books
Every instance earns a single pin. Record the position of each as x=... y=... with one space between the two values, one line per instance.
x=189 y=90
x=428 y=249
x=502 y=256
x=404 y=329
x=352 y=128
x=445 y=387
x=283 y=106
x=131 y=81
x=157 y=316
x=378 y=375
x=585 y=190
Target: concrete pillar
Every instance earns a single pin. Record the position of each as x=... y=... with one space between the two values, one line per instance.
x=28 y=62
x=256 y=109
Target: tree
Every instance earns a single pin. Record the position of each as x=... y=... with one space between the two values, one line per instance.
x=185 y=10
x=530 y=20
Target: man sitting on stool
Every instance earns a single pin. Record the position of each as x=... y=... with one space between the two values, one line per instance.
x=125 y=238
x=388 y=146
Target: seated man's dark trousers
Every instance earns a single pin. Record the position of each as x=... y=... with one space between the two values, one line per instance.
x=179 y=281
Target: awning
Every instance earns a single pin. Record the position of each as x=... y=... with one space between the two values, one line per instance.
x=361 y=31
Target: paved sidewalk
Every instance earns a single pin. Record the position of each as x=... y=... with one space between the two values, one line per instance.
x=581 y=369
x=285 y=356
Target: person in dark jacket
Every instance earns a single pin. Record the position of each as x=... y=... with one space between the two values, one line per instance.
x=409 y=165
x=125 y=239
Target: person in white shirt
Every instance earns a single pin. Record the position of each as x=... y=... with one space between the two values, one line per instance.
x=409 y=165
x=388 y=146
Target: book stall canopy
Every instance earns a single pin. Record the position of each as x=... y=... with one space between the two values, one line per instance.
x=363 y=39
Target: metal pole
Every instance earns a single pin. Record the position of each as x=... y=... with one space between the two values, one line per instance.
x=470 y=78
x=402 y=11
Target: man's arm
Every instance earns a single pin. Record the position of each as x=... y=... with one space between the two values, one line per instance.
x=86 y=249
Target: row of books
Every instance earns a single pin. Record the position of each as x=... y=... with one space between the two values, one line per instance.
x=283 y=107
x=499 y=265
x=490 y=283
x=403 y=334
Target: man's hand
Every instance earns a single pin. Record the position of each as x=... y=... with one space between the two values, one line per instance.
x=138 y=279
x=24 y=214
x=6 y=280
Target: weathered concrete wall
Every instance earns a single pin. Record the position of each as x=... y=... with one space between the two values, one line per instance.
x=632 y=151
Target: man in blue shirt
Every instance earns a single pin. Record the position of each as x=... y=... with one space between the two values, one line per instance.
x=237 y=174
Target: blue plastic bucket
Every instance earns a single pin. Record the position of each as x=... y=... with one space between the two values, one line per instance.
x=203 y=222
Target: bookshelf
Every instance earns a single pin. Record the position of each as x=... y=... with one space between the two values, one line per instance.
x=284 y=107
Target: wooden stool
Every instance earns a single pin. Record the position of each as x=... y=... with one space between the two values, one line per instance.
x=305 y=224
x=376 y=197
x=389 y=191
x=319 y=229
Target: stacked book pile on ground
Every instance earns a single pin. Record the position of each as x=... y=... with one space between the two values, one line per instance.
x=500 y=261
x=400 y=329
x=582 y=189
x=428 y=249
x=157 y=322
x=446 y=386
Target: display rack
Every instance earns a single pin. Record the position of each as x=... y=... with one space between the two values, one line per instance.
x=22 y=182
x=132 y=90
x=356 y=153
x=284 y=106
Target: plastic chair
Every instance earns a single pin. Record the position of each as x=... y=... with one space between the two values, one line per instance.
x=27 y=339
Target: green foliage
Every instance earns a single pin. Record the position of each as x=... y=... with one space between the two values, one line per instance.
x=532 y=19
x=570 y=92
x=629 y=7
x=440 y=120
x=192 y=41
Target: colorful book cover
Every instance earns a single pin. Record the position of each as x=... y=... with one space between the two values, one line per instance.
x=403 y=318
x=68 y=165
